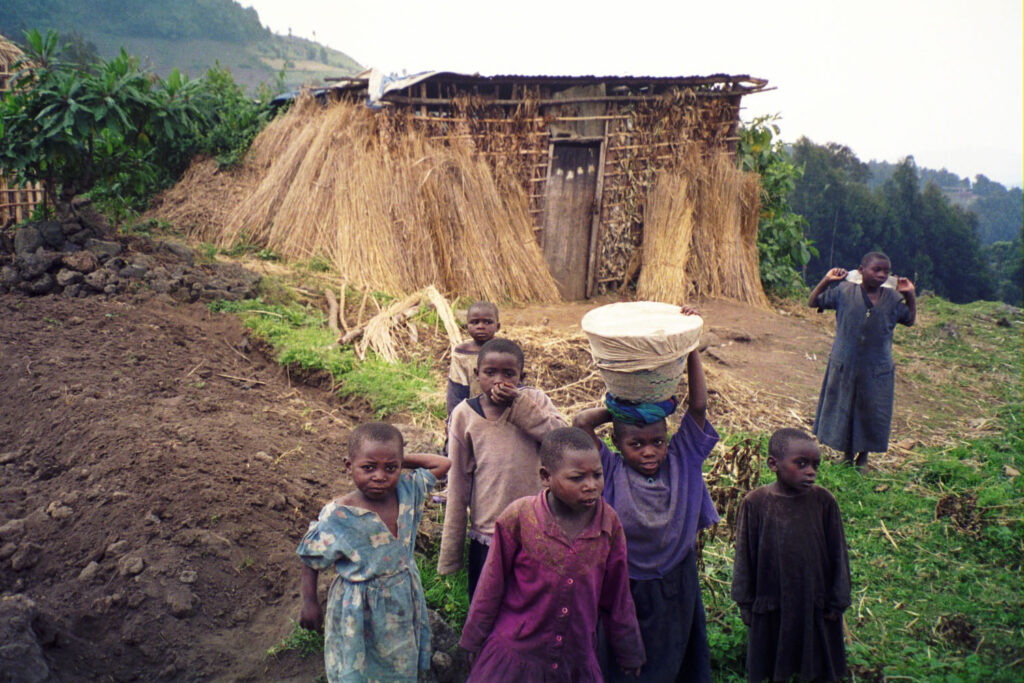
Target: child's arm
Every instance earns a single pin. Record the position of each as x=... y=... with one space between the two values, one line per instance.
x=437 y=464
x=697 y=389
x=460 y=492
x=590 y=419
x=744 y=570
x=615 y=605
x=490 y=588
x=834 y=275
x=455 y=395
x=905 y=287
x=838 y=597
x=312 y=617
x=534 y=413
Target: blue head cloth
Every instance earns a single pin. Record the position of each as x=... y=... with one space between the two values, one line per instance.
x=639 y=413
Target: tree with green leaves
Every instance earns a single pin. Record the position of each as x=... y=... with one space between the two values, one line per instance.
x=783 y=249
x=111 y=128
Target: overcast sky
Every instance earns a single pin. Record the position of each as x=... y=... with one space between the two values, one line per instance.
x=937 y=79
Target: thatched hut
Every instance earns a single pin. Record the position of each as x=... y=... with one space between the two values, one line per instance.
x=614 y=177
x=16 y=201
x=586 y=149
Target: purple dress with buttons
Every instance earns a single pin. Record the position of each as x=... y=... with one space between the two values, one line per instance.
x=536 y=609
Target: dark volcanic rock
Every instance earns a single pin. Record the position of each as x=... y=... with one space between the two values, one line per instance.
x=82 y=261
x=52 y=233
x=27 y=239
x=103 y=249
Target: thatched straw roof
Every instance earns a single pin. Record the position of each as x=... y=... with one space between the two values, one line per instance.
x=9 y=53
x=389 y=208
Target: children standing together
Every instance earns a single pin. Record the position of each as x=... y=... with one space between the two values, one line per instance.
x=582 y=560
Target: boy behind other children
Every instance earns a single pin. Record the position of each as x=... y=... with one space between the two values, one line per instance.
x=493 y=441
x=482 y=324
x=791 y=579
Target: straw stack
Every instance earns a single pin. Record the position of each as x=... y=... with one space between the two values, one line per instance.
x=700 y=233
x=392 y=210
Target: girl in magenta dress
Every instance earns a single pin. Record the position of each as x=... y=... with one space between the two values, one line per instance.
x=556 y=566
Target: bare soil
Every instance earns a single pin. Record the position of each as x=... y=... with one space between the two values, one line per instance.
x=152 y=439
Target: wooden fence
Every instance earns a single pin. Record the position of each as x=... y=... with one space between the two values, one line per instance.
x=17 y=202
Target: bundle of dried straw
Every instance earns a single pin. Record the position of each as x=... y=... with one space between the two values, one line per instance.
x=392 y=210
x=700 y=232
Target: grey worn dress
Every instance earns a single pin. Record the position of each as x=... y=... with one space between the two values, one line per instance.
x=855 y=407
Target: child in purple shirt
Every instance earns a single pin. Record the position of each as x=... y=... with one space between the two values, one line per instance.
x=556 y=565
x=657 y=489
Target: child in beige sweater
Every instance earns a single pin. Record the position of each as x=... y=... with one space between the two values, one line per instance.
x=493 y=443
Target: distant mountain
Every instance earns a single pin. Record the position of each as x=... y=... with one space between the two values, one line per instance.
x=191 y=35
x=1000 y=210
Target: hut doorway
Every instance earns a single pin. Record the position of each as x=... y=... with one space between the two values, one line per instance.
x=570 y=201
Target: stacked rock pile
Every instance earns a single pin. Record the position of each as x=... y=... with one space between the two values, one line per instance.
x=82 y=255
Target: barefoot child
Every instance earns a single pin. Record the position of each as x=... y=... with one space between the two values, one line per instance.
x=855 y=407
x=557 y=564
x=791 y=579
x=482 y=324
x=377 y=625
x=658 y=491
x=492 y=442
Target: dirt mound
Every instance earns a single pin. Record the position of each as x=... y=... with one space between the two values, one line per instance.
x=156 y=479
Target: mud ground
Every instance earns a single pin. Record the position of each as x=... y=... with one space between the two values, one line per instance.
x=158 y=472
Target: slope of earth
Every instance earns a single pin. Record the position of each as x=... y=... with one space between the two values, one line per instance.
x=156 y=479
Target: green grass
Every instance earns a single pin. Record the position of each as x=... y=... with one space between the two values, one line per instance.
x=301 y=641
x=932 y=601
x=914 y=575
x=446 y=595
x=301 y=339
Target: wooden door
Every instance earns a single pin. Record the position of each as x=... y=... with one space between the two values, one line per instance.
x=569 y=204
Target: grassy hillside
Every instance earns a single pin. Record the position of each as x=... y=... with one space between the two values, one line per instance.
x=191 y=35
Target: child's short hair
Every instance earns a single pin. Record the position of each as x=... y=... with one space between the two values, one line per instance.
x=485 y=305
x=780 y=442
x=501 y=345
x=874 y=256
x=381 y=432
x=556 y=442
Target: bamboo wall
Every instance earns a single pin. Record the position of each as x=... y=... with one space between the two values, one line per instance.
x=640 y=137
x=16 y=202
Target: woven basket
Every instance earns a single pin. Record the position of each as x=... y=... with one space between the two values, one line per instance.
x=640 y=348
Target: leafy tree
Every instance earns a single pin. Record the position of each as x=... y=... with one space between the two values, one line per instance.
x=782 y=246
x=114 y=129
x=1006 y=262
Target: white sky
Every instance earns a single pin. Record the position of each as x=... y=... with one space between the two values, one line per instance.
x=938 y=79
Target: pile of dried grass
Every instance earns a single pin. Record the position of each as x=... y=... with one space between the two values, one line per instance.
x=700 y=232
x=392 y=210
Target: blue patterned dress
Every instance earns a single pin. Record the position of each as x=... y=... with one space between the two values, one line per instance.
x=376 y=625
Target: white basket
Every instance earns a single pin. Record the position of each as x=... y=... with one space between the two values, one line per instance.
x=640 y=348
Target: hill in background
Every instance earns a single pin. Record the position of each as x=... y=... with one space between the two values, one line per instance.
x=192 y=35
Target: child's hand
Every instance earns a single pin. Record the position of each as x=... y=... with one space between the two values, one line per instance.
x=904 y=286
x=635 y=673
x=832 y=615
x=504 y=393
x=836 y=274
x=689 y=310
x=312 y=618
x=745 y=615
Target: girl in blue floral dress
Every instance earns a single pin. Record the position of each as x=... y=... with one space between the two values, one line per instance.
x=376 y=620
